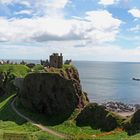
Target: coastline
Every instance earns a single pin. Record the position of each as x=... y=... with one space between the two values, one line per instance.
x=122 y=109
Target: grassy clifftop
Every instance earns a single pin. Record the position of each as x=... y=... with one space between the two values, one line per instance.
x=16 y=70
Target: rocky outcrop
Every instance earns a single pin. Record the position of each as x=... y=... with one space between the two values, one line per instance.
x=6 y=83
x=98 y=117
x=132 y=124
x=53 y=94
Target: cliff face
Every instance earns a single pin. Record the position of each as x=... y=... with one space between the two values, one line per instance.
x=73 y=75
x=53 y=94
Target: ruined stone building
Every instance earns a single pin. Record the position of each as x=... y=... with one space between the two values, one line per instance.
x=56 y=60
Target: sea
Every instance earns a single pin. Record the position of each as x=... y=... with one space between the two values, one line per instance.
x=108 y=81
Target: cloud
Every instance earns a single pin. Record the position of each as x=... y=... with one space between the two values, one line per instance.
x=25 y=3
x=27 y=12
x=102 y=26
x=47 y=31
x=135 y=12
x=50 y=37
x=107 y=2
x=46 y=3
x=55 y=4
x=90 y=52
x=40 y=7
x=51 y=8
x=96 y=26
x=6 y=1
x=135 y=29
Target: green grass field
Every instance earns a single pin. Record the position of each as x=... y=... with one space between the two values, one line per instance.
x=12 y=124
x=77 y=133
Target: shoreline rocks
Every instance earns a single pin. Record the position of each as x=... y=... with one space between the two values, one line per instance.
x=121 y=107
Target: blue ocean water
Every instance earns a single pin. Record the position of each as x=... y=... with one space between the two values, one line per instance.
x=110 y=81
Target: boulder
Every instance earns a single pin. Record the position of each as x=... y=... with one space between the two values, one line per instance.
x=98 y=117
x=132 y=124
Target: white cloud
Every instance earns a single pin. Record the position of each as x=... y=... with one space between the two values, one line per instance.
x=102 y=26
x=104 y=52
x=27 y=12
x=135 y=12
x=55 y=4
x=108 y=2
x=48 y=31
x=41 y=7
x=51 y=8
x=135 y=29
x=25 y=3
x=47 y=3
x=6 y=1
x=54 y=33
x=97 y=27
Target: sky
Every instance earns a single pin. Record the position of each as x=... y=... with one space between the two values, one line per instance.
x=94 y=30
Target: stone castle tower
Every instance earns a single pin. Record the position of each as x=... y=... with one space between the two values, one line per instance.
x=56 y=60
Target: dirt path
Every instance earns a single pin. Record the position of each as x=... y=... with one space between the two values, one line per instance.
x=42 y=127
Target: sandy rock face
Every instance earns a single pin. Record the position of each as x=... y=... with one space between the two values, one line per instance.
x=52 y=94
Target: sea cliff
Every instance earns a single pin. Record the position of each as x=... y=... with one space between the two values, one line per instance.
x=53 y=92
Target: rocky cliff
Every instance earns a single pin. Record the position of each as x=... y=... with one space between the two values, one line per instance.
x=53 y=93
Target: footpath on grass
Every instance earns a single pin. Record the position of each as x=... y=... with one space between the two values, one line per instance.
x=42 y=127
x=54 y=133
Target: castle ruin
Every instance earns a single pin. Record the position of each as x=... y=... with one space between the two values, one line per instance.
x=56 y=60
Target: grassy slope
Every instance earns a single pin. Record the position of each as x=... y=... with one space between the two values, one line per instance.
x=10 y=122
x=17 y=70
x=69 y=127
